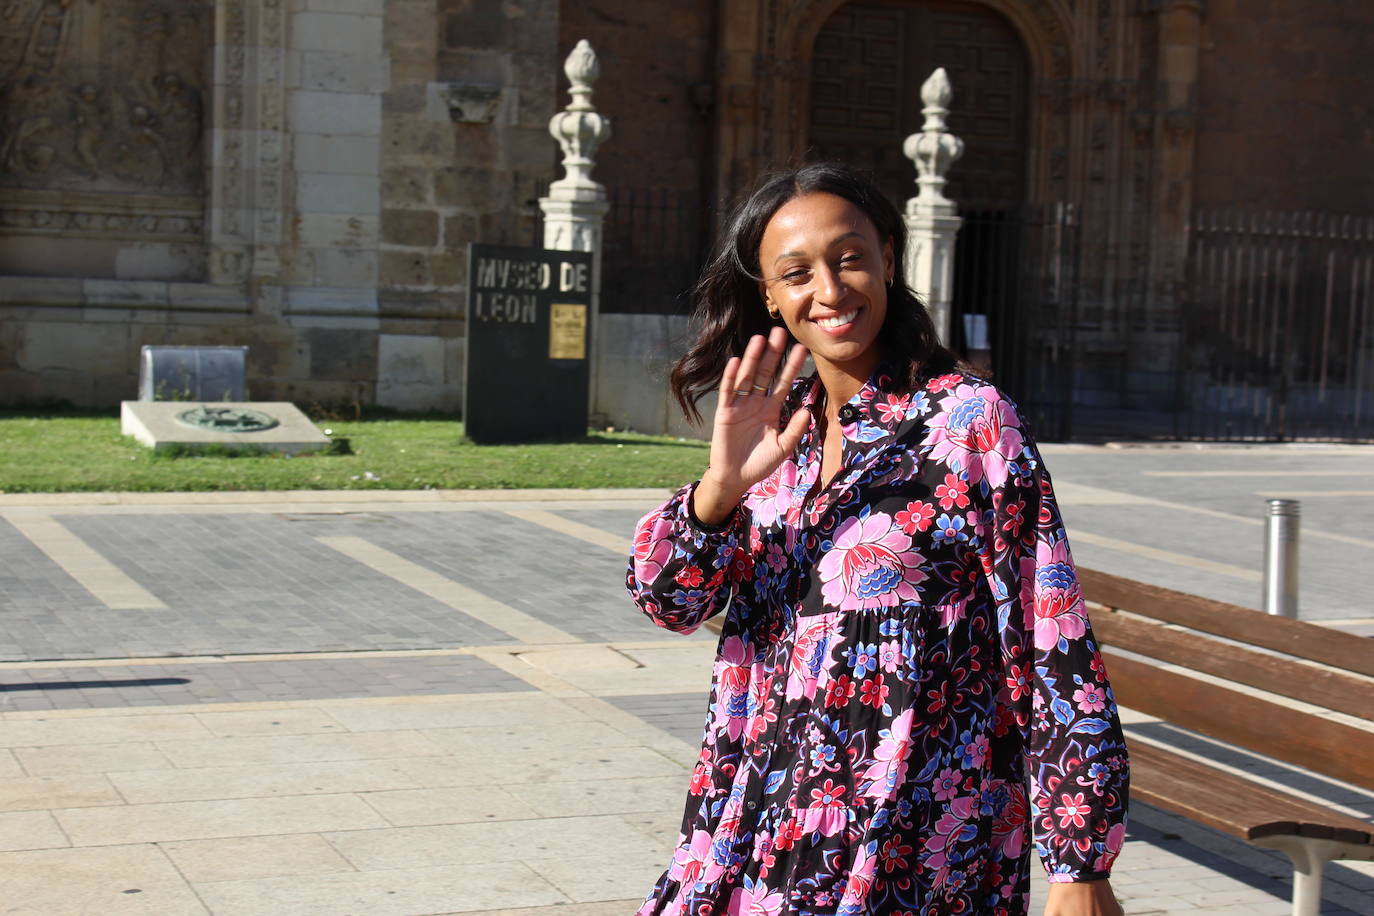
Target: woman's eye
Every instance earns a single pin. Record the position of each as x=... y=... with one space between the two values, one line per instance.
x=851 y=259
x=794 y=276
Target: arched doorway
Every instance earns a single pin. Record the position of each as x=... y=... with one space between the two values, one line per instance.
x=867 y=66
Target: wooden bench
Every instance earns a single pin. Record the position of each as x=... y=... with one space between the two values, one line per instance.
x=1290 y=690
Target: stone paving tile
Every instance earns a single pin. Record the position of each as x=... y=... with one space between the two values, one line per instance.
x=681 y=715
x=574 y=585
x=239 y=583
x=177 y=683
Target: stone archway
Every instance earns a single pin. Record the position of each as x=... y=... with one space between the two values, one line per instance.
x=867 y=64
x=767 y=48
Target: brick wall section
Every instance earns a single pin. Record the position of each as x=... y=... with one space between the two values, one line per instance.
x=1285 y=116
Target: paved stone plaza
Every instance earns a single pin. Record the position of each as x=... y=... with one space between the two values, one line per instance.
x=422 y=703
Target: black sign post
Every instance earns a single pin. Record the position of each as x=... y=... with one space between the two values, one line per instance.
x=529 y=315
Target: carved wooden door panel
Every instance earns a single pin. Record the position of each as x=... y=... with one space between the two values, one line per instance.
x=867 y=66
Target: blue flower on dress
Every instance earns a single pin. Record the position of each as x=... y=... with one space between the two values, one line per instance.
x=950 y=529
x=862 y=658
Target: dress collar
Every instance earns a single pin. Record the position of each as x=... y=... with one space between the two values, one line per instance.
x=876 y=410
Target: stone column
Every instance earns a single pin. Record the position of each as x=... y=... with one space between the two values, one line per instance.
x=932 y=220
x=577 y=205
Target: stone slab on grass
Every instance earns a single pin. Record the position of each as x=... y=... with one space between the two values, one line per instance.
x=155 y=424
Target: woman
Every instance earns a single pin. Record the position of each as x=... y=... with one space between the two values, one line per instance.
x=904 y=636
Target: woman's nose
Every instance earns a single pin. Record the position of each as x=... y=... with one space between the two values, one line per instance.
x=829 y=288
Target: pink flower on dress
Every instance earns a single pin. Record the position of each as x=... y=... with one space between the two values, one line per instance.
x=770 y=499
x=1072 y=811
x=1058 y=598
x=693 y=862
x=976 y=431
x=827 y=812
x=860 y=883
x=807 y=658
x=889 y=766
x=871 y=565
x=1090 y=698
x=755 y=901
x=732 y=687
x=653 y=547
x=1115 y=837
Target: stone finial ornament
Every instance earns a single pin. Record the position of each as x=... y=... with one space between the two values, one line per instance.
x=934 y=149
x=932 y=219
x=580 y=129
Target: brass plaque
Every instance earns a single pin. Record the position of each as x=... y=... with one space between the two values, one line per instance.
x=567 y=331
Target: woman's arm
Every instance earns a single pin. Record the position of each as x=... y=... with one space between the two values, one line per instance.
x=683 y=570
x=1055 y=691
x=691 y=554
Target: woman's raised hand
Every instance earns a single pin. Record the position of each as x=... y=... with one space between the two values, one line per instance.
x=746 y=444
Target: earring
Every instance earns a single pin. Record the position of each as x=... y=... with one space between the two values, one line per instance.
x=772 y=311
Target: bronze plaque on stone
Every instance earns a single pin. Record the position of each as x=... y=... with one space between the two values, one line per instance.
x=567 y=331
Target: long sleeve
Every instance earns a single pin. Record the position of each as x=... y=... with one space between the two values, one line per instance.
x=682 y=572
x=1056 y=694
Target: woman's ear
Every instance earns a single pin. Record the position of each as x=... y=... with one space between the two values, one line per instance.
x=888 y=264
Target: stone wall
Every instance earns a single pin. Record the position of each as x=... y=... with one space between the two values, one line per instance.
x=1285 y=118
x=355 y=148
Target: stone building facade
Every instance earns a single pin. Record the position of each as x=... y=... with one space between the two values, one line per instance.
x=301 y=176
x=304 y=175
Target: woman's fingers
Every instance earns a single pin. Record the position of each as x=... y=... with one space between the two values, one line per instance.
x=790 y=370
x=791 y=434
x=748 y=367
x=727 y=381
x=768 y=362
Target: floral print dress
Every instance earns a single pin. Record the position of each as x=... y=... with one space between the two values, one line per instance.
x=907 y=695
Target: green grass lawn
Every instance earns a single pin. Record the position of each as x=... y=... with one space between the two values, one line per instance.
x=64 y=451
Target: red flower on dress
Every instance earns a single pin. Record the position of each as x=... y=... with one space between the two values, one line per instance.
x=839 y=691
x=953 y=492
x=917 y=516
x=874 y=692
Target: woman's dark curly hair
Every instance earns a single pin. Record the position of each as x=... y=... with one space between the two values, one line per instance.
x=729 y=309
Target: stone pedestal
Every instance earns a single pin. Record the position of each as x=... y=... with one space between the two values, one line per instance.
x=576 y=206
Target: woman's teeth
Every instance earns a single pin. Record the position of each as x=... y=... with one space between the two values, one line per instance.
x=837 y=321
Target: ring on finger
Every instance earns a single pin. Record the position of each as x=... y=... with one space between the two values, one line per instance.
x=742 y=392
x=760 y=387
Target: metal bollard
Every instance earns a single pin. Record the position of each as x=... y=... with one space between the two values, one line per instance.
x=1281 y=558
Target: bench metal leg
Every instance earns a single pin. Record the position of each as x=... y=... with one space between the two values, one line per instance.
x=1309 y=858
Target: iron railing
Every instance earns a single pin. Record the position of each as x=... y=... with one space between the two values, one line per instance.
x=653 y=248
x=1277 y=329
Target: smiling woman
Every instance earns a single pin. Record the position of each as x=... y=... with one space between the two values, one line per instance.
x=904 y=637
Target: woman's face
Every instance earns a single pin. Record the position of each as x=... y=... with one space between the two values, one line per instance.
x=826 y=273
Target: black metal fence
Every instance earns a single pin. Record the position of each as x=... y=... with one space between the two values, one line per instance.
x=1270 y=339
x=1277 y=330
x=654 y=244
x=1015 y=305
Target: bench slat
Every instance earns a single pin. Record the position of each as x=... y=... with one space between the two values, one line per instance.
x=1333 y=748
x=1230 y=803
x=1320 y=687
x=1306 y=640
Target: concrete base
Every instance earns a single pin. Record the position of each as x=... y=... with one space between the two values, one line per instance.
x=154 y=423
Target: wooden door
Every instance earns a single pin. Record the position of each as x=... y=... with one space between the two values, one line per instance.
x=867 y=67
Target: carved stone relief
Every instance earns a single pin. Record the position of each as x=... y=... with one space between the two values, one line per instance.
x=103 y=95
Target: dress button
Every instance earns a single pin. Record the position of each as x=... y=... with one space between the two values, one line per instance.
x=752 y=805
x=848 y=414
